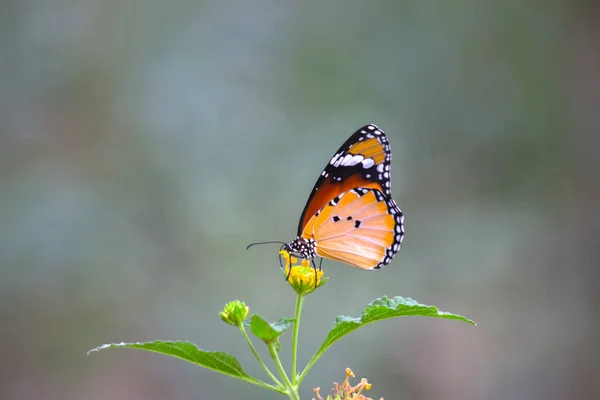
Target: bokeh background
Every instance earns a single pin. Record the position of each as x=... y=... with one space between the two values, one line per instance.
x=144 y=144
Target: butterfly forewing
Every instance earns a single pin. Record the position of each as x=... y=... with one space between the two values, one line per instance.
x=362 y=161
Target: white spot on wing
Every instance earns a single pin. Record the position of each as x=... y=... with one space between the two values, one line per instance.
x=368 y=163
x=353 y=160
x=346 y=159
x=334 y=158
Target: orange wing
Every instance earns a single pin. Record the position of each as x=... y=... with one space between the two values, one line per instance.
x=362 y=161
x=362 y=228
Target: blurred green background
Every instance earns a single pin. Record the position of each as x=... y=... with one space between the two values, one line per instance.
x=144 y=144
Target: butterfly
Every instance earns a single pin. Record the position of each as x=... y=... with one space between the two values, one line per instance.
x=350 y=215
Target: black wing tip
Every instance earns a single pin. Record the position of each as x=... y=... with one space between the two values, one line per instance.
x=371 y=127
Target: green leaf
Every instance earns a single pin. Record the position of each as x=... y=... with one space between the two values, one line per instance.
x=217 y=361
x=379 y=309
x=384 y=308
x=269 y=331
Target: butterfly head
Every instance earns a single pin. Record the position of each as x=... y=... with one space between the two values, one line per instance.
x=299 y=247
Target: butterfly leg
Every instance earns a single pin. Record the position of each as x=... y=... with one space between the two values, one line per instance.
x=289 y=272
x=315 y=268
x=281 y=263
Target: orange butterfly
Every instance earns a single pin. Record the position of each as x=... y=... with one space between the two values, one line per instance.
x=350 y=215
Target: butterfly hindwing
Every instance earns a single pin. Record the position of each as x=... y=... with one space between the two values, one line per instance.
x=362 y=161
x=362 y=227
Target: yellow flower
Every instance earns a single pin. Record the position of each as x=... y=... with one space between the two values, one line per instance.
x=346 y=391
x=303 y=278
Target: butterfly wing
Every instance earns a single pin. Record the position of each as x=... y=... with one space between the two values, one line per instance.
x=362 y=161
x=361 y=227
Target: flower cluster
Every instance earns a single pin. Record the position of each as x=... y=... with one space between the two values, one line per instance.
x=345 y=391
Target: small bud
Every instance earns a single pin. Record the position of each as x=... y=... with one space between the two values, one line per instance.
x=234 y=313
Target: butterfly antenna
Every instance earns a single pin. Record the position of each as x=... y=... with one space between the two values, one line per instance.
x=274 y=241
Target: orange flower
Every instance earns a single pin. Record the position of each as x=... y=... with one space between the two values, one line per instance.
x=345 y=391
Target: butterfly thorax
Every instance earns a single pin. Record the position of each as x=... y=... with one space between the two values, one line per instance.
x=304 y=248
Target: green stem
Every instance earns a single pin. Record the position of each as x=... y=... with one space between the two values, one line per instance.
x=264 y=385
x=260 y=361
x=291 y=390
x=298 y=312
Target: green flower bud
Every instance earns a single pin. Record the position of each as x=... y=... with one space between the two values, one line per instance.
x=234 y=313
